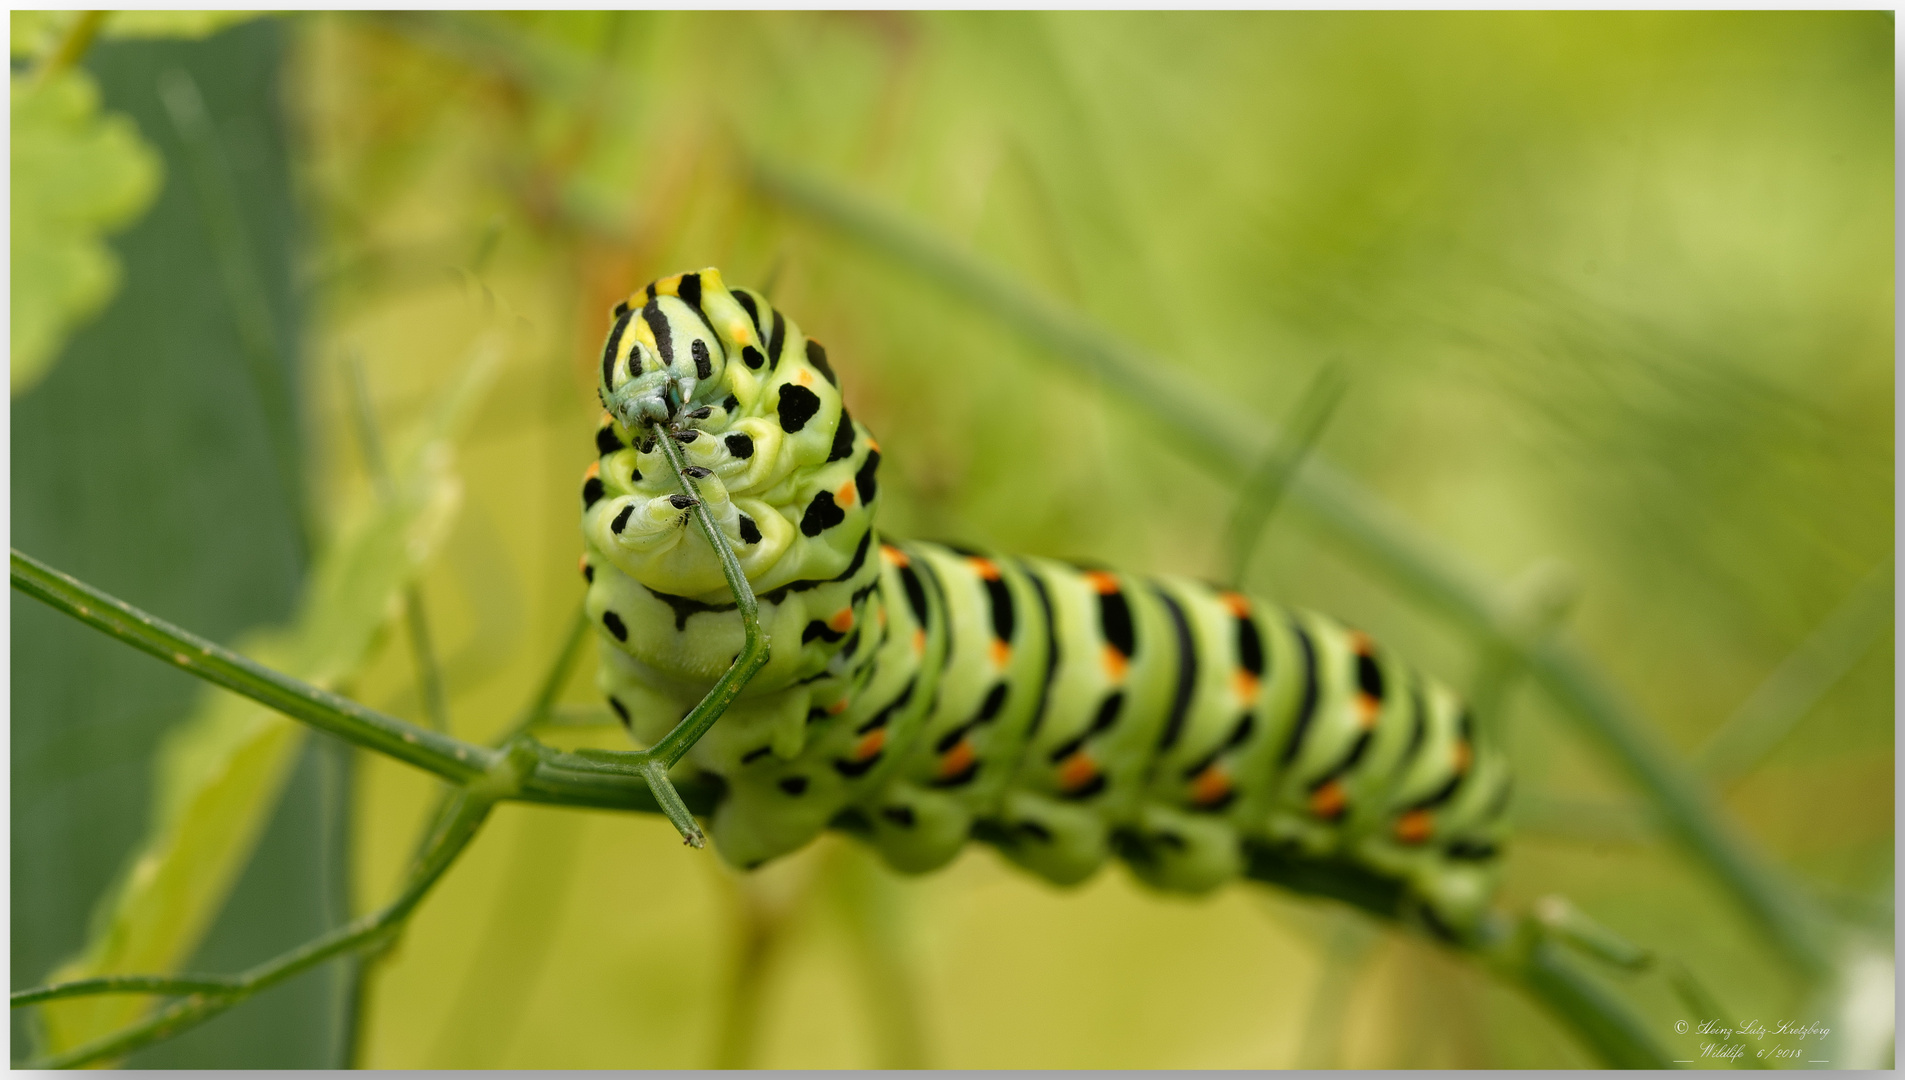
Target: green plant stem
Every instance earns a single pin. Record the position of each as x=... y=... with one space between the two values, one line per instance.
x=1540 y=966
x=652 y=764
x=1701 y=1003
x=73 y=45
x=1349 y=945
x=577 y=716
x=1228 y=443
x=1264 y=488
x=758 y=926
x=433 y=751
x=200 y=1006
x=530 y=772
x=754 y=651
x=542 y=707
x=562 y=779
x=436 y=708
x=164 y=985
x=1796 y=686
x=244 y=288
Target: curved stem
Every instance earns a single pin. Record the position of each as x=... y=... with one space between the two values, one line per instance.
x=538 y=711
x=754 y=651
x=448 y=757
x=163 y=985
x=1267 y=483
x=652 y=764
x=205 y=1003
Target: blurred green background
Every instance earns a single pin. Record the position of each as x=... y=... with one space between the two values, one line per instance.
x=1614 y=293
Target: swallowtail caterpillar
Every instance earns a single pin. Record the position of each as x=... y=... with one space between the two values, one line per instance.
x=921 y=696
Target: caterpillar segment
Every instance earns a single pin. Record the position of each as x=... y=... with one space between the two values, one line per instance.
x=921 y=695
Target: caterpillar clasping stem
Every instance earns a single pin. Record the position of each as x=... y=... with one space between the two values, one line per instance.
x=652 y=765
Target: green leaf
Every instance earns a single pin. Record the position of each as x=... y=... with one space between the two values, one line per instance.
x=219 y=773
x=78 y=174
x=36 y=33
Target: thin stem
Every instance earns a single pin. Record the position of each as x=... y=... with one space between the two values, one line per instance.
x=542 y=707
x=874 y=915
x=436 y=709
x=652 y=764
x=1349 y=944
x=164 y=985
x=73 y=45
x=1539 y=601
x=754 y=652
x=339 y=839
x=435 y=752
x=1801 y=680
x=1228 y=442
x=1597 y=1017
x=1265 y=487
x=576 y=716
x=244 y=289
x=531 y=772
x=1701 y=1002
x=757 y=927
x=201 y=1006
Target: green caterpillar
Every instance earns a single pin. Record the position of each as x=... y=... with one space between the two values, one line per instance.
x=921 y=695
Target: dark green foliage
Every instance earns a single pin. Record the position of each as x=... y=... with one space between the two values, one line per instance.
x=143 y=461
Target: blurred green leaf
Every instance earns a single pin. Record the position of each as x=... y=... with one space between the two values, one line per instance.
x=78 y=174
x=34 y=33
x=219 y=774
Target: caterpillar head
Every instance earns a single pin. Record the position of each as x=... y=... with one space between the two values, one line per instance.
x=663 y=357
x=753 y=406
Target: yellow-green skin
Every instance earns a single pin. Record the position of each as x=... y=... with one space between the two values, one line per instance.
x=920 y=695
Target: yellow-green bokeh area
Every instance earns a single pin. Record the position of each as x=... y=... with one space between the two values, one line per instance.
x=1614 y=292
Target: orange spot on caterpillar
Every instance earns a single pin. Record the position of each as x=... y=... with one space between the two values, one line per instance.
x=1330 y=800
x=1360 y=644
x=594 y=470
x=582 y=563
x=957 y=760
x=985 y=568
x=1368 y=708
x=1001 y=653
x=837 y=707
x=1076 y=771
x=803 y=378
x=869 y=744
x=894 y=556
x=1246 y=686
x=874 y=445
x=1116 y=663
x=1210 y=787
x=882 y=618
x=919 y=643
x=1236 y=603
x=1415 y=827
x=1464 y=755
x=1101 y=583
x=842 y=621
x=845 y=494
x=606 y=419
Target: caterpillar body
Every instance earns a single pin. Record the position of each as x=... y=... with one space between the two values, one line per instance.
x=921 y=695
